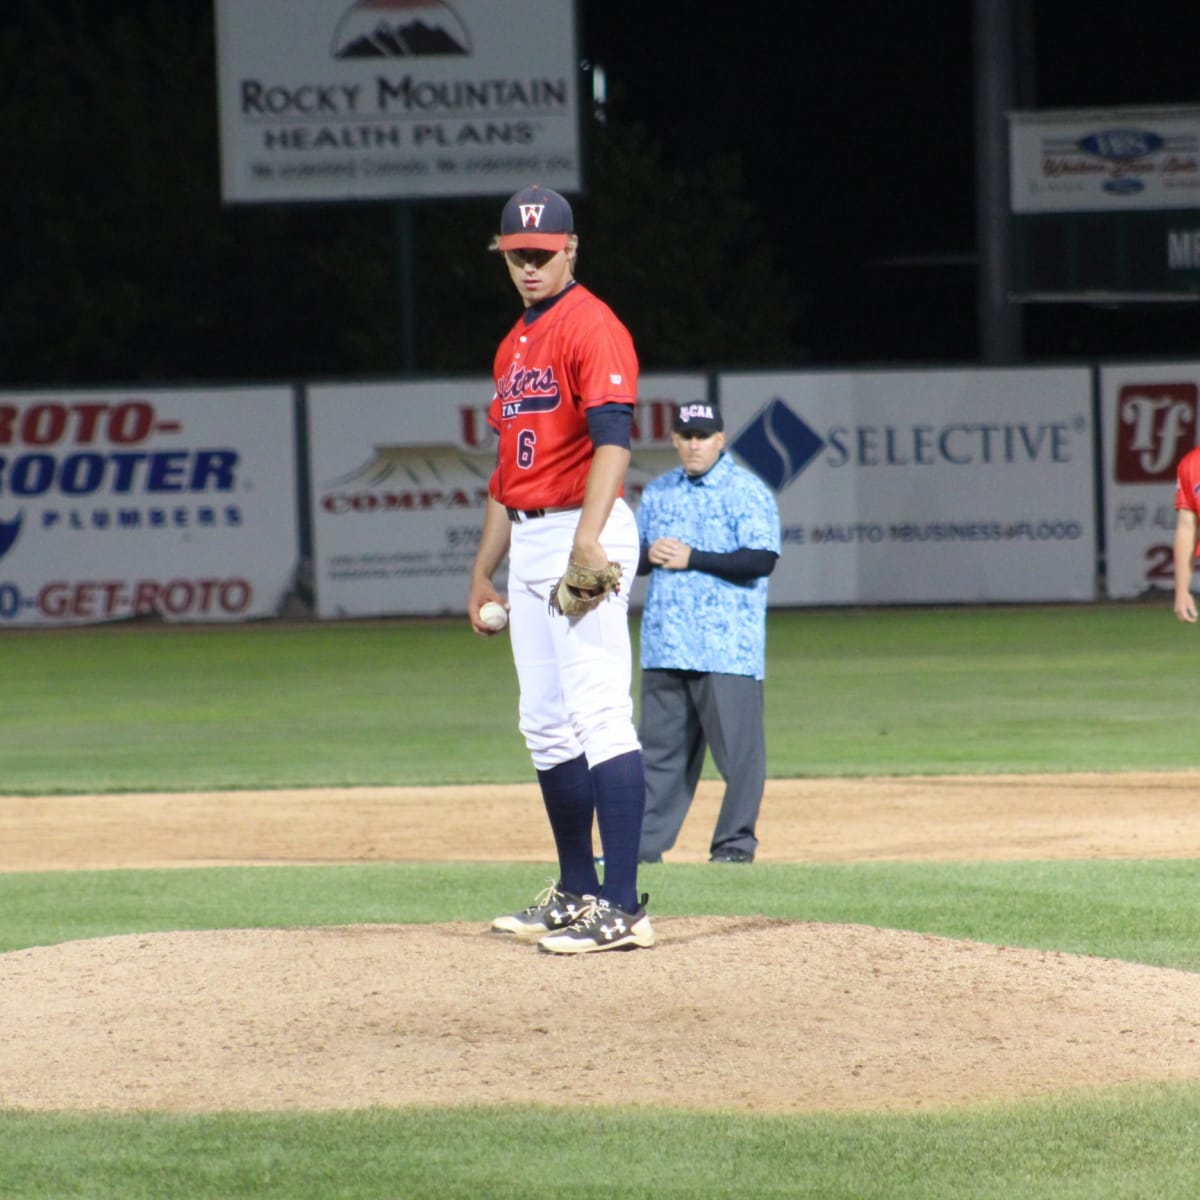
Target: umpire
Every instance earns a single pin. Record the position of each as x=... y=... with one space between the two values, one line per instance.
x=709 y=532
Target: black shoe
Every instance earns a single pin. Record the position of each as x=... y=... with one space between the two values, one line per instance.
x=650 y=858
x=553 y=910
x=731 y=854
x=602 y=926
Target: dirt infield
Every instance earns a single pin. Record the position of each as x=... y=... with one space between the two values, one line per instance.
x=749 y=1014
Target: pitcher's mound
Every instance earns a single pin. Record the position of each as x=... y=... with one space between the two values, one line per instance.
x=724 y=1013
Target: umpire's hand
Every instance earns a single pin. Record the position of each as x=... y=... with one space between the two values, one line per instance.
x=670 y=553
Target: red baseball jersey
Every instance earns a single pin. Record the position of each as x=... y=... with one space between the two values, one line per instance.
x=574 y=356
x=1187 y=481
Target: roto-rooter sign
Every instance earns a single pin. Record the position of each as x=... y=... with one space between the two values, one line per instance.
x=179 y=506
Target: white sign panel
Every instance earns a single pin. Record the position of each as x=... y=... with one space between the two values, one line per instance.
x=923 y=486
x=1149 y=422
x=399 y=483
x=175 y=505
x=1104 y=161
x=383 y=99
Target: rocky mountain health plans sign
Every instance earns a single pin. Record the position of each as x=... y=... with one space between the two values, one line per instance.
x=396 y=99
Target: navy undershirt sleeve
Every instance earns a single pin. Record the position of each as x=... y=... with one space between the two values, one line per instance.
x=610 y=424
x=738 y=566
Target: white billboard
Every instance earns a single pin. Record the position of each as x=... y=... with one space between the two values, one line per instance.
x=1149 y=421
x=399 y=484
x=955 y=486
x=1104 y=160
x=179 y=506
x=389 y=99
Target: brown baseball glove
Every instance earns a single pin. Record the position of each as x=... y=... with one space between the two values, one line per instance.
x=582 y=588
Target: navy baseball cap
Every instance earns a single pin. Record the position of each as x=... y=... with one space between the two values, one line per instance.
x=704 y=419
x=536 y=218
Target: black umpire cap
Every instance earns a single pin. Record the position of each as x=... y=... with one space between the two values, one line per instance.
x=704 y=419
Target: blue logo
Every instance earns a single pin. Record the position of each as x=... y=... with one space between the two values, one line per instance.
x=1123 y=187
x=9 y=532
x=1121 y=145
x=777 y=445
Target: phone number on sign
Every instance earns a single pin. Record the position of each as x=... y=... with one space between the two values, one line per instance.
x=89 y=599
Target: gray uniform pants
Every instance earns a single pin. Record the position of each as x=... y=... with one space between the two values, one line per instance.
x=683 y=713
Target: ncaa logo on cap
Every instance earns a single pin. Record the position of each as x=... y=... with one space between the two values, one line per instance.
x=704 y=419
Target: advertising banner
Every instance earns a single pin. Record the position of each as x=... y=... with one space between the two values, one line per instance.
x=923 y=486
x=1149 y=422
x=179 y=506
x=399 y=480
x=394 y=99
x=1114 y=160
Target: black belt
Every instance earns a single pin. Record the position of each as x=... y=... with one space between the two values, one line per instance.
x=517 y=515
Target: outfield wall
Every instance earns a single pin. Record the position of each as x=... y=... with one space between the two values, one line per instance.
x=954 y=486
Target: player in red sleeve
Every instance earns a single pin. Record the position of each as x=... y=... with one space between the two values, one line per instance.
x=566 y=381
x=1187 y=507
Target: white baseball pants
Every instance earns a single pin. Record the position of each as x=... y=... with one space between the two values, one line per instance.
x=575 y=674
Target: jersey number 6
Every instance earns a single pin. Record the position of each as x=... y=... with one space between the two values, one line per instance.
x=526 y=441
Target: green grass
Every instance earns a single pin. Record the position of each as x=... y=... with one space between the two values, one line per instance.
x=1141 y=1145
x=937 y=691
x=891 y=692
x=424 y=702
x=1139 y=910
x=257 y=706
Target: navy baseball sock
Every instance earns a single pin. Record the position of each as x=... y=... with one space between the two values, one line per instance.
x=570 y=805
x=620 y=787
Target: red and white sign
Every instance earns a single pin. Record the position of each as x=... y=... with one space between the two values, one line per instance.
x=1150 y=420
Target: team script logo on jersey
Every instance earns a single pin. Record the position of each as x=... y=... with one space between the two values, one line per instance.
x=1156 y=426
x=528 y=390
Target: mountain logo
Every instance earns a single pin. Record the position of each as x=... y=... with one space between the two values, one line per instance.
x=400 y=29
x=777 y=445
x=412 y=467
x=9 y=532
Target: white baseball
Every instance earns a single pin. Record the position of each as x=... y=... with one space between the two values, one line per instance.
x=493 y=615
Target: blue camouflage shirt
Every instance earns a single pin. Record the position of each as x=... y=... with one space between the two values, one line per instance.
x=694 y=621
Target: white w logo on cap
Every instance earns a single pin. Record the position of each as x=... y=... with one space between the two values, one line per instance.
x=531 y=214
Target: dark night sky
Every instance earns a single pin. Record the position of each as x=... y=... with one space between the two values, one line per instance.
x=855 y=120
x=845 y=119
